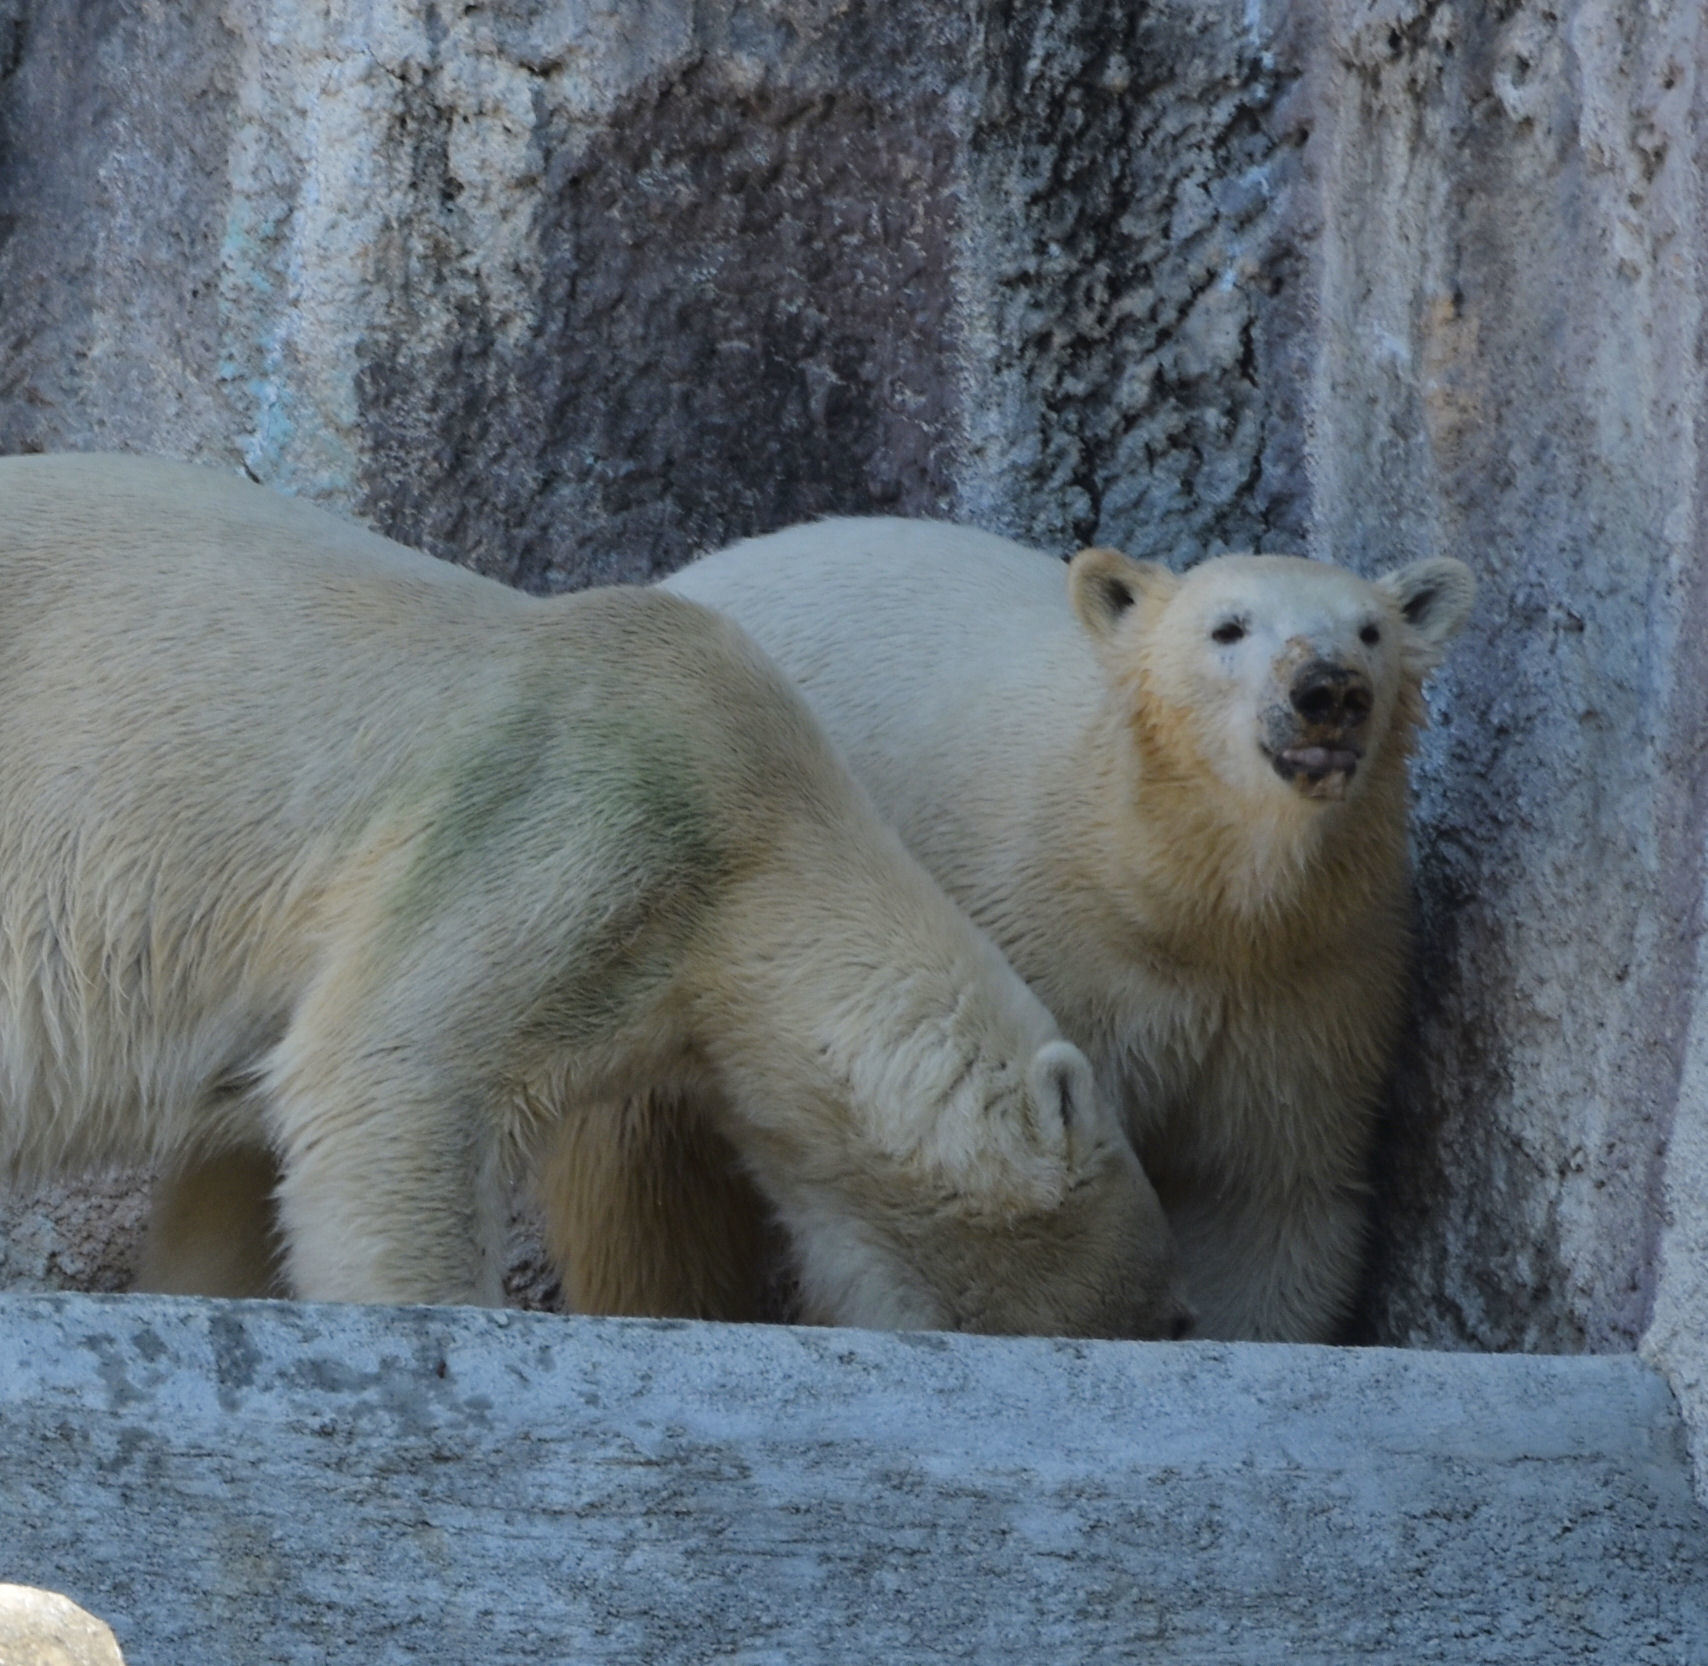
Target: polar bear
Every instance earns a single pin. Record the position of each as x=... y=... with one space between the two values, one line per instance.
x=314 y=844
x=1179 y=805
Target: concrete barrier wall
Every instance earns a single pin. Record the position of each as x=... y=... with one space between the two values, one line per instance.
x=267 y=1483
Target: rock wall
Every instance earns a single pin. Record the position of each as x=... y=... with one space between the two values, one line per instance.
x=1508 y=368
x=568 y=290
x=572 y=291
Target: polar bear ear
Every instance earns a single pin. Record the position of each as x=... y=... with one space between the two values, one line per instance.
x=1066 y=1112
x=1104 y=584
x=1434 y=598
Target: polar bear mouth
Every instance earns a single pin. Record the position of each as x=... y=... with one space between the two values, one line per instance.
x=1317 y=771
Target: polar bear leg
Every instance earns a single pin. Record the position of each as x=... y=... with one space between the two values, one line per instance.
x=647 y=1212
x=1277 y=1268
x=388 y=1136
x=391 y=1192
x=212 y=1229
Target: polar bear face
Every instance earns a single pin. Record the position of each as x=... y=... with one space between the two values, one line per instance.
x=1285 y=680
x=1013 y=1203
x=1052 y=1228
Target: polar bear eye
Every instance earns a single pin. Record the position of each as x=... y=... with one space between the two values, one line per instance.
x=1229 y=631
x=1369 y=636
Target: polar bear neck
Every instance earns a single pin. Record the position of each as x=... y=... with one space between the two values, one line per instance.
x=1205 y=874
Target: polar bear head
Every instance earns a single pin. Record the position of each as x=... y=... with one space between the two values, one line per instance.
x=983 y=1191
x=1281 y=681
x=1023 y=1211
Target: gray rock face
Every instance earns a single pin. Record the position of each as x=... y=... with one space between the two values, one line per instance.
x=268 y=1483
x=1518 y=316
x=569 y=290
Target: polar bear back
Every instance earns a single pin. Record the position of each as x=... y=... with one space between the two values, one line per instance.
x=344 y=645
x=885 y=664
x=205 y=758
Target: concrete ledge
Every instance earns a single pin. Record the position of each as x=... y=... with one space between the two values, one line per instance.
x=275 y=1483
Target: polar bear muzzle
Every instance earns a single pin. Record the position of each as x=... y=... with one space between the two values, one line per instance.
x=1315 y=741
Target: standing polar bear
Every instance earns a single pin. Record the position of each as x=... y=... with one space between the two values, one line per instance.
x=1179 y=805
x=313 y=844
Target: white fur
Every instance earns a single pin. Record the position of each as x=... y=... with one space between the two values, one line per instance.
x=1081 y=766
x=316 y=845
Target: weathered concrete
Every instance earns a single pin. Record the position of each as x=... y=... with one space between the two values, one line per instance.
x=573 y=291
x=567 y=290
x=83 y=1237
x=1509 y=369
x=1508 y=365
x=271 y=1483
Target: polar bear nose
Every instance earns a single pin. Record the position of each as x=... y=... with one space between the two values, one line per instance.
x=1336 y=696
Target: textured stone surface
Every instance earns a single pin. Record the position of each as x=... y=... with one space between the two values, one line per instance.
x=1129 y=280
x=567 y=289
x=1509 y=370
x=270 y=1483
x=570 y=291
x=83 y=1237
x=1509 y=367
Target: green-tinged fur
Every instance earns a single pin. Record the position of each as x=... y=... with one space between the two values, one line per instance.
x=621 y=789
x=421 y=875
